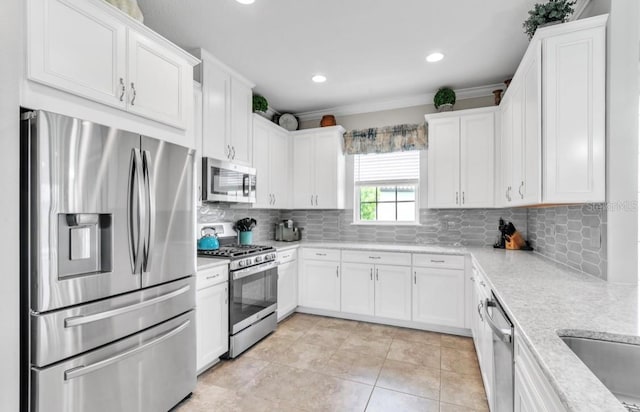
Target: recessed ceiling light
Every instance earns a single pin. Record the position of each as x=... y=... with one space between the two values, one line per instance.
x=245 y=1
x=319 y=78
x=435 y=57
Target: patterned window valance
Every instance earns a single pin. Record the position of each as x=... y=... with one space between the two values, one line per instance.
x=386 y=139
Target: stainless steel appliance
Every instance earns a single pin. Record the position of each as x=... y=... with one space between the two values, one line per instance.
x=286 y=231
x=503 y=363
x=253 y=288
x=108 y=268
x=227 y=182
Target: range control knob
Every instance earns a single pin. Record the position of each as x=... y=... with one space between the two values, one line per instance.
x=259 y=259
x=270 y=256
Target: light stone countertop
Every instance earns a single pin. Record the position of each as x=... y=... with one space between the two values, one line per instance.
x=206 y=263
x=543 y=299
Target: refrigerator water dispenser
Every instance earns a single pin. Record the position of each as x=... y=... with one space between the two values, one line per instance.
x=84 y=244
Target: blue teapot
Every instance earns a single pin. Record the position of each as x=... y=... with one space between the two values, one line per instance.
x=209 y=239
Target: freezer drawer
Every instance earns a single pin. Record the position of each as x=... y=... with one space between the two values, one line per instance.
x=68 y=332
x=150 y=371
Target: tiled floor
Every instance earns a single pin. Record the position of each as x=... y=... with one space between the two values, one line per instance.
x=313 y=363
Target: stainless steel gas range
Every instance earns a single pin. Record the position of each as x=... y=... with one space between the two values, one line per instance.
x=253 y=288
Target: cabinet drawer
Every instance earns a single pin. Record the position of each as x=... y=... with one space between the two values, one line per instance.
x=287 y=256
x=212 y=276
x=383 y=258
x=332 y=255
x=438 y=261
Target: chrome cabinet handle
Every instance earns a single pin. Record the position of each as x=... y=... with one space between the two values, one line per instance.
x=316 y=200
x=375 y=257
x=437 y=261
x=83 y=370
x=520 y=190
x=228 y=152
x=133 y=89
x=506 y=193
x=371 y=273
x=457 y=199
x=377 y=278
x=482 y=283
x=226 y=296
x=311 y=200
x=480 y=312
x=84 y=319
x=213 y=276
x=415 y=278
x=122 y=89
x=321 y=254
x=472 y=279
x=463 y=198
x=274 y=199
x=337 y=271
x=233 y=148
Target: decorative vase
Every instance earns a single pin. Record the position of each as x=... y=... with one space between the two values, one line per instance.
x=130 y=7
x=497 y=96
x=328 y=120
x=447 y=107
x=246 y=238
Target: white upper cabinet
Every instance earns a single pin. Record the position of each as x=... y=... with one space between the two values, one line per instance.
x=318 y=168
x=461 y=159
x=91 y=49
x=553 y=118
x=271 y=161
x=227 y=106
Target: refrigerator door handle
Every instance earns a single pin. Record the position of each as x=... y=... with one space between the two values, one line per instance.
x=84 y=319
x=135 y=226
x=151 y=205
x=83 y=370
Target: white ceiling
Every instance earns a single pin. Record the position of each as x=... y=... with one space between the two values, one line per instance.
x=370 y=50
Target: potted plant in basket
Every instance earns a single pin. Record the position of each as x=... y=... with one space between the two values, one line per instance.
x=554 y=11
x=260 y=105
x=444 y=99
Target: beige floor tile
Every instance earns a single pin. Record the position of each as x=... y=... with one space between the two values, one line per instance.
x=463 y=390
x=232 y=374
x=355 y=366
x=420 y=336
x=459 y=361
x=312 y=391
x=293 y=333
x=325 y=336
x=457 y=342
x=270 y=348
x=447 y=407
x=214 y=398
x=416 y=353
x=409 y=378
x=303 y=355
x=384 y=400
x=375 y=330
x=340 y=324
x=299 y=322
x=372 y=345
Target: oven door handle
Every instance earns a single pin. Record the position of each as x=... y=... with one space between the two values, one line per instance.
x=243 y=273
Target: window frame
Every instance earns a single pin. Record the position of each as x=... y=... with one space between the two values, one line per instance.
x=356 y=202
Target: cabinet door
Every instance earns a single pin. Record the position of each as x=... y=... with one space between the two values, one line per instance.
x=212 y=324
x=216 y=126
x=444 y=163
x=241 y=106
x=524 y=395
x=506 y=157
x=197 y=139
x=303 y=172
x=262 y=164
x=438 y=296
x=357 y=288
x=574 y=117
x=517 y=144
x=321 y=285
x=393 y=292
x=77 y=47
x=287 y=288
x=531 y=159
x=327 y=154
x=279 y=167
x=160 y=83
x=476 y=160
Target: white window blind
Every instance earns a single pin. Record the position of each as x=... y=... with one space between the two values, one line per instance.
x=387 y=167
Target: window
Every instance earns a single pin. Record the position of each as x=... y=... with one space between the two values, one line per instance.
x=386 y=187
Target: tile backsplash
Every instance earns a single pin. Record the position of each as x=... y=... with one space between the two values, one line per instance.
x=573 y=235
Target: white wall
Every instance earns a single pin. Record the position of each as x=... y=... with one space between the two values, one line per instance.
x=623 y=41
x=406 y=115
x=10 y=58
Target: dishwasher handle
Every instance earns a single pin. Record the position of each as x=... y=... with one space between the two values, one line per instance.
x=504 y=334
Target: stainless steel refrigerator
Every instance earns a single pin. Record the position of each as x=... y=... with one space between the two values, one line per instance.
x=108 y=265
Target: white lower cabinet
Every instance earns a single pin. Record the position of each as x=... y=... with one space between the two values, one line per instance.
x=320 y=282
x=287 y=283
x=358 y=289
x=393 y=292
x=438 y=296
x=212 y=316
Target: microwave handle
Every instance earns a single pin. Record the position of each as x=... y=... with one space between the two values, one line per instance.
x=246 y=181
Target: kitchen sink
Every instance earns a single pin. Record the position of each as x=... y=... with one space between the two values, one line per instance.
x=616 y=364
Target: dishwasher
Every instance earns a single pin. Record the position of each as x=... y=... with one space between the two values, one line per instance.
x=503 y=364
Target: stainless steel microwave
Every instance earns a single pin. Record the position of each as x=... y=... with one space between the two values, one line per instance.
x=227 y=182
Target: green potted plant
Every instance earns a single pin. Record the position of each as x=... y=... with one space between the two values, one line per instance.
x=260 y=104
x=554 y=11
x=444 y=99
